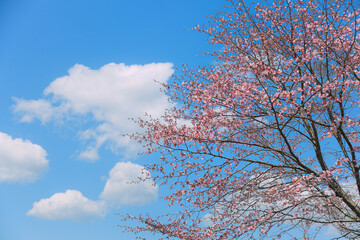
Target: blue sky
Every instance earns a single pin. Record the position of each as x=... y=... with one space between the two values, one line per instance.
x=72 y=73
x=61 y=146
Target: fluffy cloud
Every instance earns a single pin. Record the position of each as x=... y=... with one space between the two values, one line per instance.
x=20 y=160
x=110 y=95
x=124 y=187
x=71 y=205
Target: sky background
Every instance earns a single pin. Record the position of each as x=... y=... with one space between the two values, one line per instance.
x=72 y=73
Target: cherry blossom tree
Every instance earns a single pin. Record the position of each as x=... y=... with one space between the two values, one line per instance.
x=265 y=142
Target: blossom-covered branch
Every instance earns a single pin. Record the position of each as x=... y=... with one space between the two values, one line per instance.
x=265 y=141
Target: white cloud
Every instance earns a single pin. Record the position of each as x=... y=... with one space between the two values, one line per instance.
x=71 y=205
x=41 y=109
x=20 y=160
x=110 y=95
x=124 y=187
